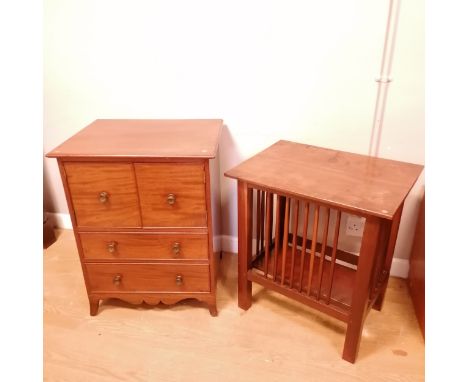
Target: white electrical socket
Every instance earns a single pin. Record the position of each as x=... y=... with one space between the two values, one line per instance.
x=355 y=225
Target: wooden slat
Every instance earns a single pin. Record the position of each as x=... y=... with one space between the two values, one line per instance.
x=285 y=239
x=347 y=257
x=294 y=241
x=303 y=252
x=262 y=221
x=269 y=203
x=257 y=216
x=277 y=236
x=333 y=257
x=313 y=247
x=271 y=196
x=324 y=246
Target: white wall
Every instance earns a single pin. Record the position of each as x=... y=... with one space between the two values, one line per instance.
x=297 y=70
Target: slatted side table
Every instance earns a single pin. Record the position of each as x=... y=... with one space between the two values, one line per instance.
x=293 y=200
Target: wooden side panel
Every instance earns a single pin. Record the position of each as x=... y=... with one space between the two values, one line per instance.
x=132 y=246
x=185 y=181
x=86 y=182
x=416 y=278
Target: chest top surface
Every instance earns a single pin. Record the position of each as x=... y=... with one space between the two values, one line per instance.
x=145 y=138
x=366 y=185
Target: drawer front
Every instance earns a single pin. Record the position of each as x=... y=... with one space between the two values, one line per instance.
x=133 y=246
x=103 y=194
x=111 y=277
x=172 y=195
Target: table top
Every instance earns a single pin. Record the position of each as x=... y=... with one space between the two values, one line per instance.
x=149 y=138
x=358 y=183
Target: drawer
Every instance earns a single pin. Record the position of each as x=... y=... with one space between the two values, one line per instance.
x=172 y=195
x=103 y=194
x=133 y=246
x=112 y=277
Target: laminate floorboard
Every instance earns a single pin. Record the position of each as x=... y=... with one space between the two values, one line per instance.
x=275 y=340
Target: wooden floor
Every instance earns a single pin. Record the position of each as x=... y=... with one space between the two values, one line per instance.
x=275 y=340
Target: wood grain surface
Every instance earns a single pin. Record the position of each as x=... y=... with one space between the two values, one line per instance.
x=143 y=246
x=132 y=138
x=277 y=339
x=148 y=277
x=186 y=181
x=356 y=183
x=87 y=180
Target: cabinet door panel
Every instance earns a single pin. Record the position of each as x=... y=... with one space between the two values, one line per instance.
x=172 y=195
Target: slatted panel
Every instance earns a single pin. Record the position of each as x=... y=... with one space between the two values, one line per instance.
x=286 y=244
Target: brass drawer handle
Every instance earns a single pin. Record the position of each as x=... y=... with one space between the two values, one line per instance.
x=176 y=248
x=171 y=199
x=112 y=246
x=179 y=280
x=117 y=279
x=103 y=197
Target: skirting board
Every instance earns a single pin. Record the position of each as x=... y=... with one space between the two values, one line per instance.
x=400 y=267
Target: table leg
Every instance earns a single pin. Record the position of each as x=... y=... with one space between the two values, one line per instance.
x=389 y=256
x=362 y=285
x=244 y=206
x=93 y=306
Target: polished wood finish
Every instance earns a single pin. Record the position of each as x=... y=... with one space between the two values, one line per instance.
x=338 y=283
x=361 y=289
x=313 y=248
x=268 y=229
x=294 y=240
x=342 y=281
x=304 y=242
x=285 y=241
x=356 y=183
x=86 y=182
x=322 y=253
x=395 y=225
x=281 y=339
x=140 y=204
x=333 y=256
x=148 y=277
x=115 y=246
x=121 y=138
x=244 y=204
x=416 y=277
x=184 y=182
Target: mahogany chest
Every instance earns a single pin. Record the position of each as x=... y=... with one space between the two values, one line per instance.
x=143 y=200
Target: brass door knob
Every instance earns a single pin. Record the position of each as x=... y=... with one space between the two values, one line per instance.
x=112 y=246
x=176 y=248
x=179 y=280
x=117 y=280
x=103 y=197
x=171 y=199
